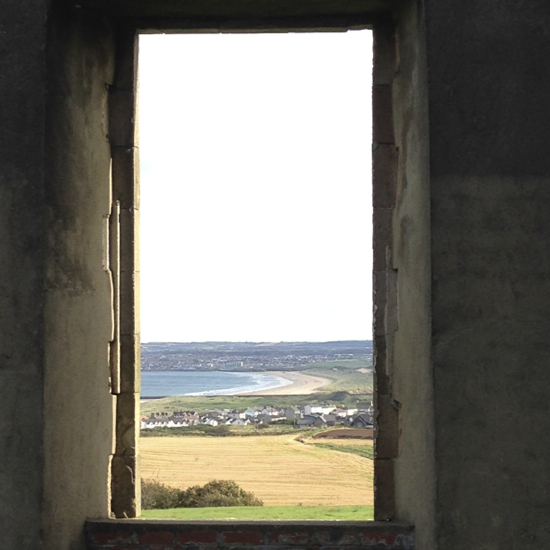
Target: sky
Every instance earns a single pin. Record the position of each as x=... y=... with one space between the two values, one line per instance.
x=256 y=214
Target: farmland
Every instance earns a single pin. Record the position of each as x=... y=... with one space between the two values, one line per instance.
x=278 y=469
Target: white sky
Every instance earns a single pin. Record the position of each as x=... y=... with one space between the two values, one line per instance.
x=256 y=217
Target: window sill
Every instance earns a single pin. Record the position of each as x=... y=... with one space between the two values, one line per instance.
x=138 y=534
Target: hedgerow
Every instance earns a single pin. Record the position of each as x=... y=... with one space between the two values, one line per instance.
x=157 y=496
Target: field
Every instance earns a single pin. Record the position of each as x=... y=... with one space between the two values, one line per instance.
x=274 y=428
x=204 y=403
x=278 y=469
x=353 y=376
x=353 y=446
x=359 y=513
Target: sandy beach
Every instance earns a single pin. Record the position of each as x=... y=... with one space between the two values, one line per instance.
x=302 y=384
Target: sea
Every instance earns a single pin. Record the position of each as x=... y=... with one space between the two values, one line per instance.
x=155 y=384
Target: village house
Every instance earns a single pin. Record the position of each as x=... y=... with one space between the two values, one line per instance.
x=318 y=409
x=292 y=412
x=360 y=420
x=309 y=415
x=312 y=421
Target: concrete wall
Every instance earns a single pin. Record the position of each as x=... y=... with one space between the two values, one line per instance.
x=22 y=108
x=468 y=273
x=409 y=285
x=78 y=405
x=490 y=197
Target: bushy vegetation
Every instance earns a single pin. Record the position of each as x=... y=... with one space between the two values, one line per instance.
x=273 y=428
x=219 y=493
x=156 y=496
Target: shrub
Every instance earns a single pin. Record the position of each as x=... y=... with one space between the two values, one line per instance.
x=218 y=493
x=155 y=495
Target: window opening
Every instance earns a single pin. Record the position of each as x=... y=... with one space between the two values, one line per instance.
x=256 y=228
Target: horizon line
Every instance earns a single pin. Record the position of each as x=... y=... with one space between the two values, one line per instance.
x=254 y=342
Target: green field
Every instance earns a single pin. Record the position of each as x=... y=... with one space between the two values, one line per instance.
x=345 y=375
x=365 y=450
x=202 y=403
x=347 y=380
x=359 y=513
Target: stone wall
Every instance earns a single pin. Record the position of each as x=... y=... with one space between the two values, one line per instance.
x=467 y=272
x=199 y=535
x=489 y=121
x=78 y=403
x=22 y=128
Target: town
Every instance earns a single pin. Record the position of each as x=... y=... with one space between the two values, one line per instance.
x=318 y=416
x=247 y=356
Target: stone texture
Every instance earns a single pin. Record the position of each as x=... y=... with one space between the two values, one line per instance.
x=382 y=236
x=296 y=535
x=78 y=405
x=22 y=131
x=384 y=173
x=126 y=500
x=467 y=226
x=384 y=489
x=382 y=118
x=125 y=171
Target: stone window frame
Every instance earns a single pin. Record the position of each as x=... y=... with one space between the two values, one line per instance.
x=124 y=238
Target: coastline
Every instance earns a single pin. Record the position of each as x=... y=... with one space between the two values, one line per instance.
x=301 y=384
x=293 y=383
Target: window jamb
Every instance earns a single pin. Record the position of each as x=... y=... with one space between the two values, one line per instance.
x=125 y=349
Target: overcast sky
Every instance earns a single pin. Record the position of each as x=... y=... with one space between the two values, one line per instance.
x=256 y=217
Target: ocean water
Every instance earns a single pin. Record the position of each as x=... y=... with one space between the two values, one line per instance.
x=167 y=383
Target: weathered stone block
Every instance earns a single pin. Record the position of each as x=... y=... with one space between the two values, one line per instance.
x=122 y=118
x=383 y=55
x=129 y=306
x=384 y=489
x=380 y=300
x=127 y=425
x=384 y=174
x=388 y=428
x=382 y=118
x=382 y=236
x=130 y=363
x=129 y=239
x=126 y=494
x=381 y=379
x=125 y=176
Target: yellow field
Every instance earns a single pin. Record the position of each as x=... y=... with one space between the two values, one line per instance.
x=277 y=469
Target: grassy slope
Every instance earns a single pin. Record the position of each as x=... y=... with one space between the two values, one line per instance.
x=171 y=404
x=365 y=450
x=346 y=380
x=344 y=375
x=360 y=513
